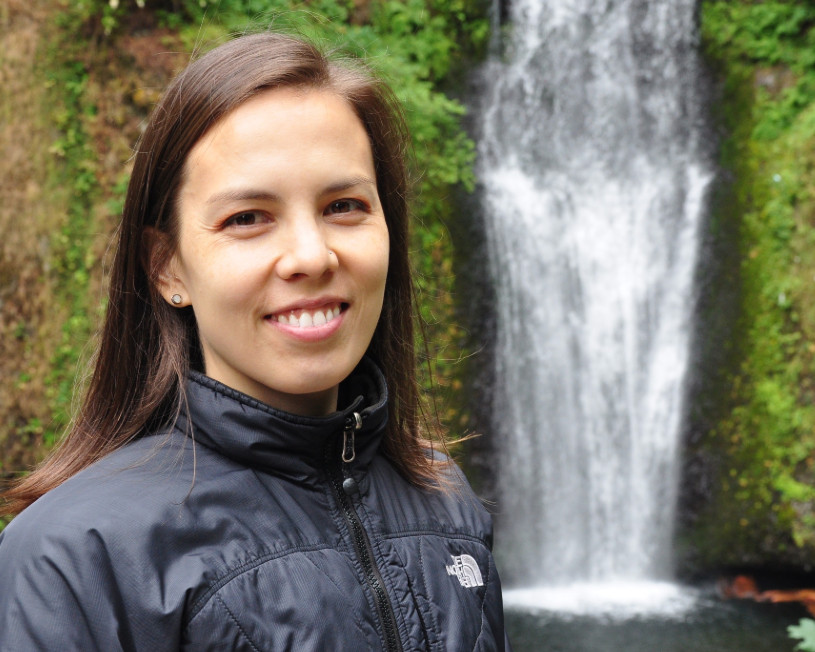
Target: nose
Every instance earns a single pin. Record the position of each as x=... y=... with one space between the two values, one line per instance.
x=305 y=251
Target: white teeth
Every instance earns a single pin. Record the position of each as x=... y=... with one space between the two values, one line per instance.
x=307 y=319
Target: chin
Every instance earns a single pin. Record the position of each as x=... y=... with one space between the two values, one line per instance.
x=316 y=384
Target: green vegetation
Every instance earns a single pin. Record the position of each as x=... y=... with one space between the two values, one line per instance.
x=72 y=246
x=805 y=632
x=42 y=142
x=79 y=238
x=763 y=511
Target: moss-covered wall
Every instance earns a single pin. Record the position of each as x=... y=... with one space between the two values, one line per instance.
x=749 y=490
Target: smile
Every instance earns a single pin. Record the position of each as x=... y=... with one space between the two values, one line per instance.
x=308 y=318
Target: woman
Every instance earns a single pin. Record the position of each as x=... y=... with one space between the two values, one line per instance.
x=248 y=470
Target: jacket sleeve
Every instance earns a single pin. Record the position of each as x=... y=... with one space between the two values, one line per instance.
x=57 y=591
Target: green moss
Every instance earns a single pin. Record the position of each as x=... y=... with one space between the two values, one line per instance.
x=72 y=257
x=764 y=442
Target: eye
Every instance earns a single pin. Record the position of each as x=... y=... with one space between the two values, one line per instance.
x=345 y=206
x=246 y=218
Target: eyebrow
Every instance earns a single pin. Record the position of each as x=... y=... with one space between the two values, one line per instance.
x=251 y=194
x=247 y=194
x=345 y=184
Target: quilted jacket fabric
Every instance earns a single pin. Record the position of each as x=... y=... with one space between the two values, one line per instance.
x=242 y=528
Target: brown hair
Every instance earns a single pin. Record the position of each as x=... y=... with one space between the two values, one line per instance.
x=147 y=347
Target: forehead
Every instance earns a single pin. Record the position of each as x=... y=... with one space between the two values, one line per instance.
x=287 y=118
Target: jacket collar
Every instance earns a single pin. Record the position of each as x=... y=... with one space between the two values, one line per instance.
x=259 y=436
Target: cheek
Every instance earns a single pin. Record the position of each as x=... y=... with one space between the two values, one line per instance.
x=368 y=259
x=224 y=279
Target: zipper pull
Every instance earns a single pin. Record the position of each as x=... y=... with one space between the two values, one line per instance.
x=352 y=424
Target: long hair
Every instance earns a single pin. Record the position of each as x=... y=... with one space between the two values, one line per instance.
x=148 y=347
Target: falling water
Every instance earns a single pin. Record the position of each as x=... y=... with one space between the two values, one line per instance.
x=594 y=182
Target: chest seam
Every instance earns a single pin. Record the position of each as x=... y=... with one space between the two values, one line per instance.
x=223 y=580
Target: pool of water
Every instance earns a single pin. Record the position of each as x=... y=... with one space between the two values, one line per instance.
x=658 y=618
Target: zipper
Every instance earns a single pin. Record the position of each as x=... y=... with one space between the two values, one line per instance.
x=344 y=487
x=353 y=424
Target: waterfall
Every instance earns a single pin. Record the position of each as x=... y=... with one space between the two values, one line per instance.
x=593 y=179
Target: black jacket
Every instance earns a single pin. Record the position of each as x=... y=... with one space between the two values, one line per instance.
x=256 y=537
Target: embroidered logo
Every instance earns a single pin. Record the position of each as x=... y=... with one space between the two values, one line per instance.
x=465 y=568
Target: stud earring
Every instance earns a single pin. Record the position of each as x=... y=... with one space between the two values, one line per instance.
x=176 y=299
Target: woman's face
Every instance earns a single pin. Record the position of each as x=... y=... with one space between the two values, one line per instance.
x=283 y=247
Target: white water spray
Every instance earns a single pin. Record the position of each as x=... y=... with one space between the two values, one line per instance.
x=594 y=185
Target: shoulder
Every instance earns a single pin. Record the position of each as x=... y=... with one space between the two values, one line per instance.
x=73 y=558
x=136 y=474
x=95 y=499
x=459 y=497
x=450 y=506
x=453 y=481
x=114 y=503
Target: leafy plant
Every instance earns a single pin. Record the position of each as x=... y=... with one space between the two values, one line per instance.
x=764 y=52
x=73 y=257
x=805 y=632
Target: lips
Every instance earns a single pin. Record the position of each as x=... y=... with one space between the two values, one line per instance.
x=308 y=318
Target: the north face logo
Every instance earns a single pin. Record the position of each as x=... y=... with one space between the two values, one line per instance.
x=465 y=568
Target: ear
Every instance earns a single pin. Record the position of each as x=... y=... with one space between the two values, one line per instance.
x=160 y=263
